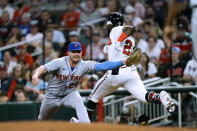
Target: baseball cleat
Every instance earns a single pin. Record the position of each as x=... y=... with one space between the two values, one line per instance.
x=74 y=120
x=167 y=101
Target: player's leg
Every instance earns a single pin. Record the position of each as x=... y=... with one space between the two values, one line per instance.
x=136 y=87
x=48 y=108
x=102 y=88
x=75 y=101
x=194 y=32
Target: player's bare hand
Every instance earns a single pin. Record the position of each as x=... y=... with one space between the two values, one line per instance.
x=35 y=80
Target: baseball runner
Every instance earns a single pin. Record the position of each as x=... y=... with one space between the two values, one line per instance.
x=120 y=46
x=66 y=75
x=175 y=7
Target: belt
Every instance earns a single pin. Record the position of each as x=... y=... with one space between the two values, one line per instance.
x=60 y=96
x=115 y=71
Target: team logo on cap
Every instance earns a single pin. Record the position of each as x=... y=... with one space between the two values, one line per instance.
x=75 y=45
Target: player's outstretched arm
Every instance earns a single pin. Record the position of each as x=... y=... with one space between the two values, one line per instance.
x=109 y=65
x=39 y=71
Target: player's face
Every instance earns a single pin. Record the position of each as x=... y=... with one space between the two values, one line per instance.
x=75 y=55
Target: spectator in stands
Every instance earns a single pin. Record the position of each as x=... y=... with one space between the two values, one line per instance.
x=22 y=54
x=88 y=81
x=139 y=41
x=5 y=27
x=16 y=89
x=9 y=63
x=127 y=20
x=15 y=36
x=25 y=26
x=146 y=26
x=153 y=51
x=49 y=40
x=139 y=8
x=113 y=6
x=92 y=79
x=74 y=37
x=71 y=18
x=164 y=57
x=45 y=20
x=177 y=67
x=183 y=40
x=146 y=69
x=101 y=7
x=18 y=75
x=86 y=35
x=34 y=38
x=22 y=9
x=159 y=7
x=49 y=55
x=150 y=22
x=129 y=10
x=35 y=11
x=84 y=83
x=155 y=33
x=94 y=50
x=190 y=72
x=58 y=37
x=5 y=7
x=3 y=97
x=21 y=96
x=7 y=83
x=89 y=12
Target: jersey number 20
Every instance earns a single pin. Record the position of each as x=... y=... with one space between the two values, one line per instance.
x=127 y=47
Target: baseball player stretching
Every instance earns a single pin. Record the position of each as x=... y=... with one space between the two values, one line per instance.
x=120 y=46
x=66 y=74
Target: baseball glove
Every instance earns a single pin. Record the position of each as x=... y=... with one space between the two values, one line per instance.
x=134 y=57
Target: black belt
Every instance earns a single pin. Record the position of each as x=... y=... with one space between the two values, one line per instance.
x=115 y=71
x=60 y=96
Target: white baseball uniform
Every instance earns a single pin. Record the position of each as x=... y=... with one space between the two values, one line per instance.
x=127 y=77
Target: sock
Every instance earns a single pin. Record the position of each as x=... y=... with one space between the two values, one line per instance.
x=91 y=107
x=153 y=97
x=122 y=37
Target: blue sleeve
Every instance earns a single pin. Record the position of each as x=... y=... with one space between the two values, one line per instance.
x=108 y=65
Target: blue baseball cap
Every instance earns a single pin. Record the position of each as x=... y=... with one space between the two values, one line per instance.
x=176 y=49
x=74 y=46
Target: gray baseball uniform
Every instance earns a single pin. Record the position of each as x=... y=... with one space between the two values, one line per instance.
x=61 y=90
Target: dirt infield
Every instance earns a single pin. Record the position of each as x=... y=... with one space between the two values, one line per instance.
x=64 y=126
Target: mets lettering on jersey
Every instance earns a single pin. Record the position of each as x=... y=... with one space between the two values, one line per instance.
x=65 y=77
x=65 y=80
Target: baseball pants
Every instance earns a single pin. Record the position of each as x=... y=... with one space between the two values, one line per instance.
x=50 y=105
x=127 y=78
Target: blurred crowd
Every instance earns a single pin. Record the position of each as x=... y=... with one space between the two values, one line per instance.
x=35 y=25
